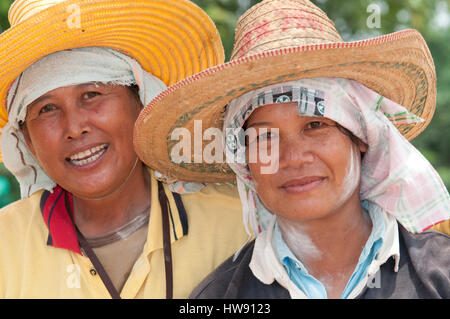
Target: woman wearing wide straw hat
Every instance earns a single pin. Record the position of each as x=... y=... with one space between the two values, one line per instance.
x=93 y=221
x=342 y=198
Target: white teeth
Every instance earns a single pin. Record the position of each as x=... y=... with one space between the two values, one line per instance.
x=86 y=157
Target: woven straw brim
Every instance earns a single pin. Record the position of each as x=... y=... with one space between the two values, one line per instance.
x=170 y=39
x=398 y=66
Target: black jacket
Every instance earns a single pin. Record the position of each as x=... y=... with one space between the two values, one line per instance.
x=424 y=272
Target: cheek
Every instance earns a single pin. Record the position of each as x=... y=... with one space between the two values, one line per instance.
x=264 y=187
x=124 y=133
x=117 y=116
x=337 y=155
x=258 y=179
x=354 y=165
x=343 y=161
x=352 y=173
x=118 y=119
x=44 y=139
x=45 y=148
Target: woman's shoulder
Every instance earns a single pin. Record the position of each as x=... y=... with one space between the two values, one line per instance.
x=217 y=284
x=428 y=260
x=234 y=279
x=215 y=202
x=21 y=224
x=21 y=210
x=427 y=251
x=427 y=242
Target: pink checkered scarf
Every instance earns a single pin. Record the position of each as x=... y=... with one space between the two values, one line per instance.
x=395 y=175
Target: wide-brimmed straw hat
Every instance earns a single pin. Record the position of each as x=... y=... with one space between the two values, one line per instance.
x=170 y=39
x=279 y=41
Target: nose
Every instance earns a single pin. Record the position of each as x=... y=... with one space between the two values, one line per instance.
x=295 y=151
x=76 y=122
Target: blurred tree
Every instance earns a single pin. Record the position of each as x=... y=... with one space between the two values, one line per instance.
x=225 y=14
x=9 y=188
x=4 y=6
x=354 y=20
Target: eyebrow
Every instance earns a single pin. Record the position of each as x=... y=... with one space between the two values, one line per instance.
x=259 y=124
x=49 y=95
x=40 y=99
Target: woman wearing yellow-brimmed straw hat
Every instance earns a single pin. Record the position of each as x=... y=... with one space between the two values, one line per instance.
x=316 y=131
x=93 y=221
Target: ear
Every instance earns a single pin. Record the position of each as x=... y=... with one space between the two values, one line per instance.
x=26 y=135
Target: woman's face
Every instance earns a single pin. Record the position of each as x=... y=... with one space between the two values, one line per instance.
x=319 y=166
x=82 y=136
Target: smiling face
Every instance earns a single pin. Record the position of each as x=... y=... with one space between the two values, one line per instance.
x=319 y=165
x=82 y=136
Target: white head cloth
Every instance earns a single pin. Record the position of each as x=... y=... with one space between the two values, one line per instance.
x=61 y=69
x=395 y=175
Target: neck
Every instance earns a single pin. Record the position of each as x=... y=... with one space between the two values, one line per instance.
x=329 y=247
x=101 y=215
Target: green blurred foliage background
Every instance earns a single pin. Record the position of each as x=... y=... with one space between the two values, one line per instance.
x=354 y=20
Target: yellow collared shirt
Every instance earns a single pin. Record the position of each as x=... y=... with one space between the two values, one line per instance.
x=34 y=263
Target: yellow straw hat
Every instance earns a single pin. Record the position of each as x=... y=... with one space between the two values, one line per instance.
x=280 y=41
x=170 y=39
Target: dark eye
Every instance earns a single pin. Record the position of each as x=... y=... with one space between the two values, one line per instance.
x=90 y=95
x=265 y=136
x=257 y=138
x=47 y=108
x=315 y=124
x=268 y=136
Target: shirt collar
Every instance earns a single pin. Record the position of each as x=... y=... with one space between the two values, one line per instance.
x=62 y=232
x=391 y=244
x=377 y=233
x=177 y=218
x=266 y=266
x=283 y=252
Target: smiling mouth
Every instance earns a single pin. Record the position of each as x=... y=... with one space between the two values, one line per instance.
x=303 y=184
x=88 y=156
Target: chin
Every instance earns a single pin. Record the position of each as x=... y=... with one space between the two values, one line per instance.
x=297 y=210
x=90 y=190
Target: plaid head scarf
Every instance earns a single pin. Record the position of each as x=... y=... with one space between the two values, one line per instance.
x=395 y=175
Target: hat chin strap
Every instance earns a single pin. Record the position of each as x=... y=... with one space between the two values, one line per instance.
x=117 y=188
